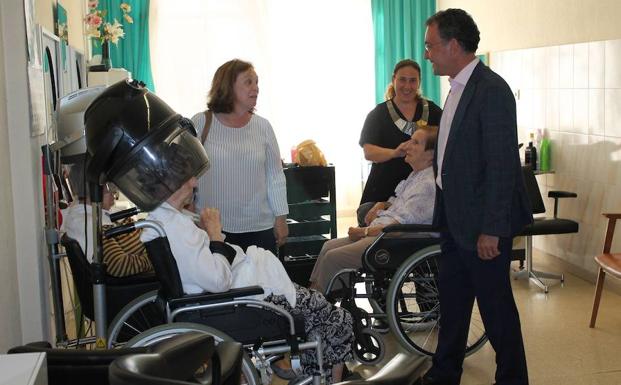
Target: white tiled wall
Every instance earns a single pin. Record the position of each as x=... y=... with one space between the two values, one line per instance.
x=572 y=93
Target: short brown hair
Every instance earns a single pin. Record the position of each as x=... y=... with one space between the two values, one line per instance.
x=390 y=90
x=221 y=96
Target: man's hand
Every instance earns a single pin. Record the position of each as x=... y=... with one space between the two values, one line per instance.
x=281 y=230
x=210 y=220
x=372 y=213
x=487 y=247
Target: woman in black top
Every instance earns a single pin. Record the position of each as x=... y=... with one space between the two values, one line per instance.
x=388 y=127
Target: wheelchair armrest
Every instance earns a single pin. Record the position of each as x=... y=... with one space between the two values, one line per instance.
x=411 y=228
x=216 y=297
x=560 y=194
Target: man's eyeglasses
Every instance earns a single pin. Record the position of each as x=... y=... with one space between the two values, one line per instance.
x=429 y=45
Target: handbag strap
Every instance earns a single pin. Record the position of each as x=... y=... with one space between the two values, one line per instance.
x=208 y=118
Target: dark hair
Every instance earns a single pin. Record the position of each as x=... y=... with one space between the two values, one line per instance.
x=432 y=136
x=221 y=96
x=454 y=23
x=390 y=90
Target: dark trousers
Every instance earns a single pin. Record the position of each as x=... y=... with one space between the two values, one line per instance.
x=264 y=239
x=463 y=277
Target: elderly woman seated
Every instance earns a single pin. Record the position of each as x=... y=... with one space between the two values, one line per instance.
x=207 y=263
x=413 y=202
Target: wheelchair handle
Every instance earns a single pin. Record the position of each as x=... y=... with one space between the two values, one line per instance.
x=124 y=214
x=153 y=225
x=119 y=230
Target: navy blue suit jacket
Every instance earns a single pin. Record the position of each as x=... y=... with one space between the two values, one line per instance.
x=483 y=188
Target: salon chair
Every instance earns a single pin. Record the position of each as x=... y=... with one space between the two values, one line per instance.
x=542 y=226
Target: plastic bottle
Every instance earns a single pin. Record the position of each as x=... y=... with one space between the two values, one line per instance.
x=530 y=155
x=544 y=155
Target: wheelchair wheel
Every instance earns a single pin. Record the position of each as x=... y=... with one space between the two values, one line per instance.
x=141 y=314
x=414 y=306
x=162 y=332
x=369 y=347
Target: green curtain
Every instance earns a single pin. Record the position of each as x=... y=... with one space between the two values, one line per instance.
x=399 y=29
x=132 y=52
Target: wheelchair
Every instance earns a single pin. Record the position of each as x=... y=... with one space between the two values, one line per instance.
x=399 y=273
x=265 y=330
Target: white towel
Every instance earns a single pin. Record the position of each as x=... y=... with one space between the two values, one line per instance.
x=260 y=267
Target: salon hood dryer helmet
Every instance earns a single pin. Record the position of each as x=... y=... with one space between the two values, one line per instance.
x=139 y=143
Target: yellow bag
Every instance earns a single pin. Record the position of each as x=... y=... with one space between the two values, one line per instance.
x=308 y=154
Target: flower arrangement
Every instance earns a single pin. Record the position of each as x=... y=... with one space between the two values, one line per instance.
x=102 y=30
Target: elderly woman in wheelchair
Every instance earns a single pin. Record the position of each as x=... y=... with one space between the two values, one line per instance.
x=412 y=202
x=207 y=264
x=395 y=258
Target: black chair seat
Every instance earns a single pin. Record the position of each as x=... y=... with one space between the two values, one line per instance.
x=176 y=360
x=544 y=226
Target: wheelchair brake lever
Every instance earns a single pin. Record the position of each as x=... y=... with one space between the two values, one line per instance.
x=262 y=365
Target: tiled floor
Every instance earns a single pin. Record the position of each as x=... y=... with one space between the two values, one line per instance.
x=560 y=347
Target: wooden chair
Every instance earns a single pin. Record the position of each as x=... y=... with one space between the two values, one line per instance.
x=609 y=263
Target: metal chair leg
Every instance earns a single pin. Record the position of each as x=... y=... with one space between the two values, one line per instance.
x=534 y=275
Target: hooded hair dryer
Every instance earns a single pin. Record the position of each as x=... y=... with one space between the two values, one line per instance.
x=139 y=143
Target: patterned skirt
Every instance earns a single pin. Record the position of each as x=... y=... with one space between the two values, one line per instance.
x=321 y=318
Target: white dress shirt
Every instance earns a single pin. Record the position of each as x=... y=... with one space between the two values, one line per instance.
x=458 y=84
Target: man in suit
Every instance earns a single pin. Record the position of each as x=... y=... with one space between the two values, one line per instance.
x=481 y=202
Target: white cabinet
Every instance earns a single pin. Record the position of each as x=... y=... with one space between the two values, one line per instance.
x=23 y=369
x=113 y=75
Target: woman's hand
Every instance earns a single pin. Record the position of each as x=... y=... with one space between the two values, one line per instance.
x=356 y=233
x=210 y=220
x=399 y=152
x=372 y=213
x=281 y=230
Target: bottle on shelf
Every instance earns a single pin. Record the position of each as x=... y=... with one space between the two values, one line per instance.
x=530 y=155
x=544 y=155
